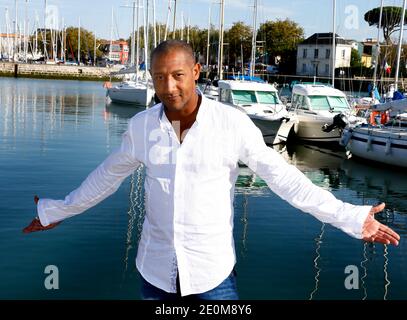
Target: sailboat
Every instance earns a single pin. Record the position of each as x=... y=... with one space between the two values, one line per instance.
x=138 y=88
x=384 y=139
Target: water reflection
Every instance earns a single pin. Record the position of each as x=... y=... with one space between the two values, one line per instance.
x=122 y=111
x=40 y=107
x=318 y=242
x=371 y=184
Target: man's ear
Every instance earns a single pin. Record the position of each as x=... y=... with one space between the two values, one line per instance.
x=197 y=70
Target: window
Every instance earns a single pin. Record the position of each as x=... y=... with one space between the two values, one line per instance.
x=304 y=53
x=327 y=53
x=328 y=103
x=225 y=95
x=338 y=103
x=343 y=54
x=304 y=103
x=297 y=101
x=326 y=68
x=304 y=68
x=316 y=51
x=267 y=97
x=243 y=97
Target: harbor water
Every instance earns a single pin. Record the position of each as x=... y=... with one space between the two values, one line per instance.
x=54 y=133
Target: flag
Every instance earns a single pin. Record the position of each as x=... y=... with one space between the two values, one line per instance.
x=387 y=68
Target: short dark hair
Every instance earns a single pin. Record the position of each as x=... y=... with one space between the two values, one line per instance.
x=170 y=45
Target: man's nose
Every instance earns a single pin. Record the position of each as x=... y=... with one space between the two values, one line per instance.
x=170 y=84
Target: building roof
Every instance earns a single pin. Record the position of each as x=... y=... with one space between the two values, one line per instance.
x=325 y=38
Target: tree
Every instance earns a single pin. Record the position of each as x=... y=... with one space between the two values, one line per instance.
x=355 y=60
x=239 y=39
x=390 y=20
x=87 y=44
x=281 y=39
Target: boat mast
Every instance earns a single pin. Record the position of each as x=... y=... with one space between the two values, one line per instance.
x=79 y=42
x=155 y=26
x=145 y=40
x=220 y=50
x=400 y=44
x=173 y=20
x=253 y=58
x=138 y=40
x=111 y=38
x=44 y=37
x=168 y=20
x=15 y=52
x=133 y=39
x=378 y=47
x=208 y=43
x=333 y=42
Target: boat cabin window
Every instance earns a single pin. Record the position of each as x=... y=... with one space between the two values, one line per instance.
x=328 y=103
x=304 y=105
x=225 y=95
x=243 y=97
x=338 y=103
x=297 y=101
x=268 y=97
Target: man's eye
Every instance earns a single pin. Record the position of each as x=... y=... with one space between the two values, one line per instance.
x=180 y=74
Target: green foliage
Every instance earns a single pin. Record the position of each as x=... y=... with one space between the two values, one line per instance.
x=355 y=59
x=239 y=38
x=281 y=39
x=390 y=20
x=87 y=44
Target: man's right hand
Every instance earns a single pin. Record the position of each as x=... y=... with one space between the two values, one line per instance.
x=36 y=225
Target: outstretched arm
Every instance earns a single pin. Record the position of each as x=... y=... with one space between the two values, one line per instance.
x=100 y=184
x=293 y=186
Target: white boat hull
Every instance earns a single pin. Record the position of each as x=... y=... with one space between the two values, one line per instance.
x=268 y=128
x=141 y=95
x=385 y=145
x=310 y=129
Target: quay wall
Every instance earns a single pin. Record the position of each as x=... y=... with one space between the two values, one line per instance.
x=26 y=70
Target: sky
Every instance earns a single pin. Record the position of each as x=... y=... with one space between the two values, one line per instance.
x=95 y=15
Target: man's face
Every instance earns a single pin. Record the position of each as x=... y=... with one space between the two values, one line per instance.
x=174 y=75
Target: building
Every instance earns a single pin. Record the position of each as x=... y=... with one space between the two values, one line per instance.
x=314 y=55
x=118 y=54
x=367 y=52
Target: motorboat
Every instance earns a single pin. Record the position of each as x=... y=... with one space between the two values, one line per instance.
x=260 y=101
x=314 y=107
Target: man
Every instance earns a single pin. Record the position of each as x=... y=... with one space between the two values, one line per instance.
x=190 y=147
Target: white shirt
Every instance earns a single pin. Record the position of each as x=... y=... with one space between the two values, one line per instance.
x=189 y=191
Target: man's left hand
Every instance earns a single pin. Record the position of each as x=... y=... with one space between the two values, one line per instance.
x=374 y=231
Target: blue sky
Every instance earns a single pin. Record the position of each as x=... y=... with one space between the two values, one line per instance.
x=312 y=15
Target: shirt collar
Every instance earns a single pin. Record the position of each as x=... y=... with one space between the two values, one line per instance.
x=164 y=122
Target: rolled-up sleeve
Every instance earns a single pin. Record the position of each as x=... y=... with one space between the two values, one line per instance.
x=293 y=186
x=100 y=183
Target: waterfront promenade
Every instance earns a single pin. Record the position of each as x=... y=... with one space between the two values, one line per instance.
x=52 y=71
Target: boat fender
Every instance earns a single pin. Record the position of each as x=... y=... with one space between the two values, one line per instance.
x=369 y=143
x=388 y=146
x=345 y=138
